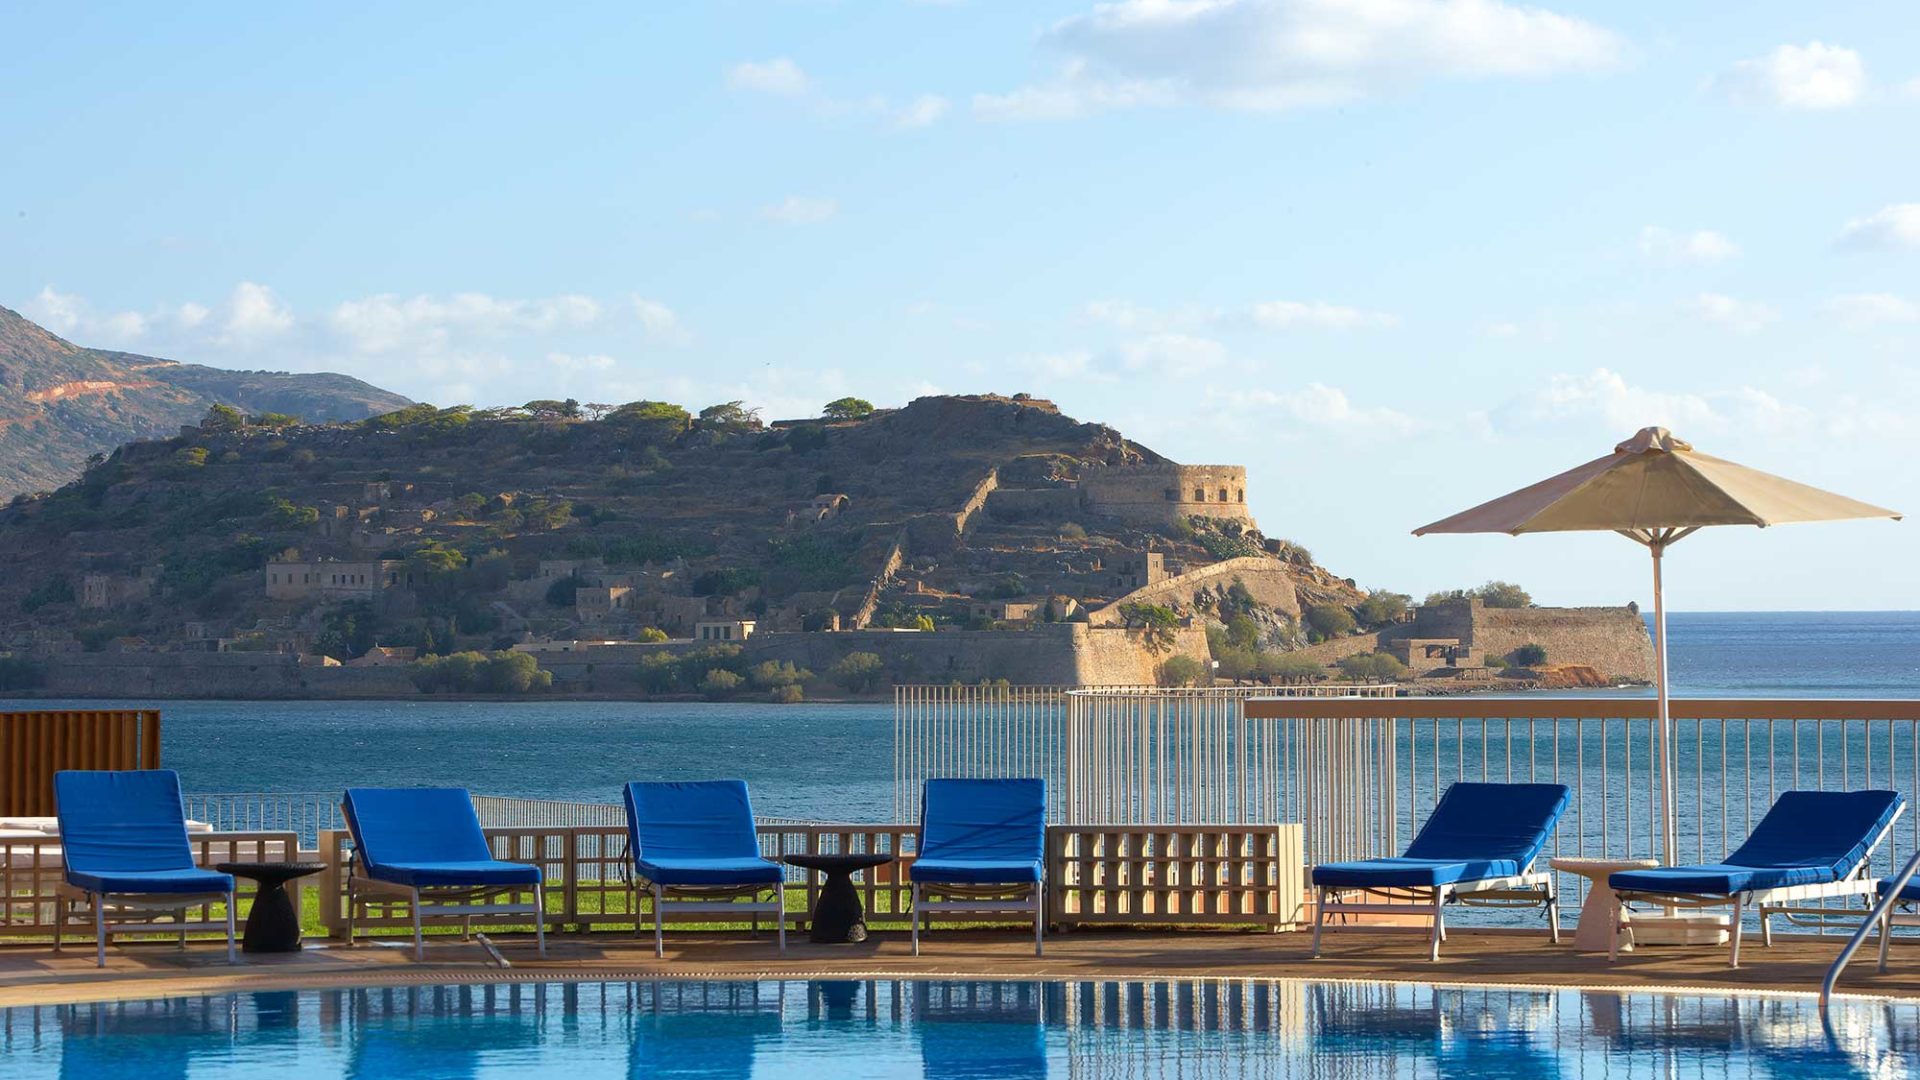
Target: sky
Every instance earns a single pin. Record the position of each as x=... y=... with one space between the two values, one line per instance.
x=1395 y=256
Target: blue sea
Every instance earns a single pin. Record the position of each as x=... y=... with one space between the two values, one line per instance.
x=835 y=761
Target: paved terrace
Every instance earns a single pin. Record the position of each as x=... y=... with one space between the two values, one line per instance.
x=34 y=975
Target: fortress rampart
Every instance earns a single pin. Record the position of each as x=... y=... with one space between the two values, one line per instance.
x=1166 y=492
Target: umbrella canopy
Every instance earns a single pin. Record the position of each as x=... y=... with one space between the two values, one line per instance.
x=1656 y=489
x=1650 y=484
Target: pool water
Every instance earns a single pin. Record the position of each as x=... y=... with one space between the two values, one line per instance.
x=956 y=1030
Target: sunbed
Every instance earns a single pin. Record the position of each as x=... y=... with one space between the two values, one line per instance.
x=694 y=845
x=1478 y=846
x=425 y=846
x=1811 y=845
x=982 y=843
x=123 y=836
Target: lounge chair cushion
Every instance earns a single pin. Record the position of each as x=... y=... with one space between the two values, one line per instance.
x=1806 y=838
x=1910 y=893
x=736 y=871
x=454 y=874
x=982 y=832
x=126 y=831
x=152 y=882
x=1716 y=879
x=424 y=836
x=1405 y=873
x=975 y=872
x=696 y=833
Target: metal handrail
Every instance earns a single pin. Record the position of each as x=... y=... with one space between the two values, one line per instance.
x=1877 y=917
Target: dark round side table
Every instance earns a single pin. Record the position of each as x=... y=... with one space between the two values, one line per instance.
x=273 y=926
x=838 y=916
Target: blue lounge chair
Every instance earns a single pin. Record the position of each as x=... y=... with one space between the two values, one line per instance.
x=694 y=845
x=425 y=846
x=1811 y=845
x=123 y=836
x=1478 y=845
x=1902 y=912
x=982 y=848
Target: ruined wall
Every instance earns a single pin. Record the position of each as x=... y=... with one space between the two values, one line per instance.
x=236 y=675
x=1034 y=504
x=1161 y=493
x=1046 y=654
x=1611 y=640
x=1267 y=579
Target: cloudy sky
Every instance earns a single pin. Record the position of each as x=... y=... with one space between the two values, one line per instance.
x=1396 y=256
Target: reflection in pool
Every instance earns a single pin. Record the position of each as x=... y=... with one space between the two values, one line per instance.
x=952 y=1030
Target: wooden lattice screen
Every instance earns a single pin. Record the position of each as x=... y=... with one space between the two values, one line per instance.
x=35 y=745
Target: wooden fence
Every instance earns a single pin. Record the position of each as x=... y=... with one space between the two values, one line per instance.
x=30 y=868
x=1242 y=875
x=35 y=745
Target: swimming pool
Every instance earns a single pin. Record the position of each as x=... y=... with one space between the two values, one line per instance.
x=955 y=1030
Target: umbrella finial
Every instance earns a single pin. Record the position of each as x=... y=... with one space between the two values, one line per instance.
x=1654 y=440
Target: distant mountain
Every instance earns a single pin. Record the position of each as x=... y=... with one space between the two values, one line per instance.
x=60 y=402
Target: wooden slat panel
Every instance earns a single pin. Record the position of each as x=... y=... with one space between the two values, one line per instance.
x=1550 y=708
x=36 y=744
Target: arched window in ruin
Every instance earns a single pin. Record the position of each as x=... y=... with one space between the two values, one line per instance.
x=1199 y=494
x=1223 y=495
x=1243 y=495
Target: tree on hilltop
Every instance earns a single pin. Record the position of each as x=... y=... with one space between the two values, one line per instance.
x=848 y=408
x=223 y=418
x=730 y=416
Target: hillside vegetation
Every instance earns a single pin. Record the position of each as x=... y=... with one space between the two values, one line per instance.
x=61 y=403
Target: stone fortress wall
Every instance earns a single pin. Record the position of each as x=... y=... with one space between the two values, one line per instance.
x=1160 y=493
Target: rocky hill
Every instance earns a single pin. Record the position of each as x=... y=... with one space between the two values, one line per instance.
x=457 y=527
x=60 y=402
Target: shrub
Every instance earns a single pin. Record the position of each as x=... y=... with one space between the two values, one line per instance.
x=1504 y=594
x=787 y=695
x=54 y=589
x=857 y=671
x=1182 y=671
x=563 y=590
x=1073 y=531
x=1494 y=662
x=651 y=635
x=719 y=683
x=724 y=582
x=805 y=439
x=1291 y=667
x=1156 y=622
x=476 y=672
x=1369 y=667
x=775 y=674
x=1531 y=654
x=1330 y=621
x=223 y=418
x=1243 y=632
x=848 y=408
x=1382 y=607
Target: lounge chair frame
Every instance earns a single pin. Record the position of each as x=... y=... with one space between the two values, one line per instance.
x=1766 y=902
x=1023 y=900
x=462 y=902
x=115 y=913
x=1516 y=890
x=712 y=900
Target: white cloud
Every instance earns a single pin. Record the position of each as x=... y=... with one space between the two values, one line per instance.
x=1895 y=226
x=1740 y=316
x=73 y=317
x=1863 y=310
x=1171 y=354
x=1606 y=398
x=780 y=77
x=190 y=315
x=1320 y=405
x=255 y=313
x=575 y=362
x=920 y=112
x=1269 y=314
x=1285 y=314
x=1700 y=245
x=800 y=210
x=1278 y=54
x=387 y=322
x=659 y=321
x=1810 y=76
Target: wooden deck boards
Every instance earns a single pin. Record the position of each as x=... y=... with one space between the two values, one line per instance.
x=34 y=975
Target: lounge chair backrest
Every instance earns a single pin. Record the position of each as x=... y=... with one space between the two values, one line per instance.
x=1491 y=821
x=993 y=820
x=402 y=826
x=122 y=821
x=702 y=819
x=1837 y=829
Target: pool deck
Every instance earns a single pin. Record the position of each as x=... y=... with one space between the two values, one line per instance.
x=34 y=975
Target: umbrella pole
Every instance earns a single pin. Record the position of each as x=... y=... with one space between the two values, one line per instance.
x=1669 y=831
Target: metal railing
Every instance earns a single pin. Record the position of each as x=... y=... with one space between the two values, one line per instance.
x=1143 y=754
x=1365 y=774
x=303 y=813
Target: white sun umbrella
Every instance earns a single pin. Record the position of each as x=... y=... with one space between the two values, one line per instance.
x=1656 y=490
